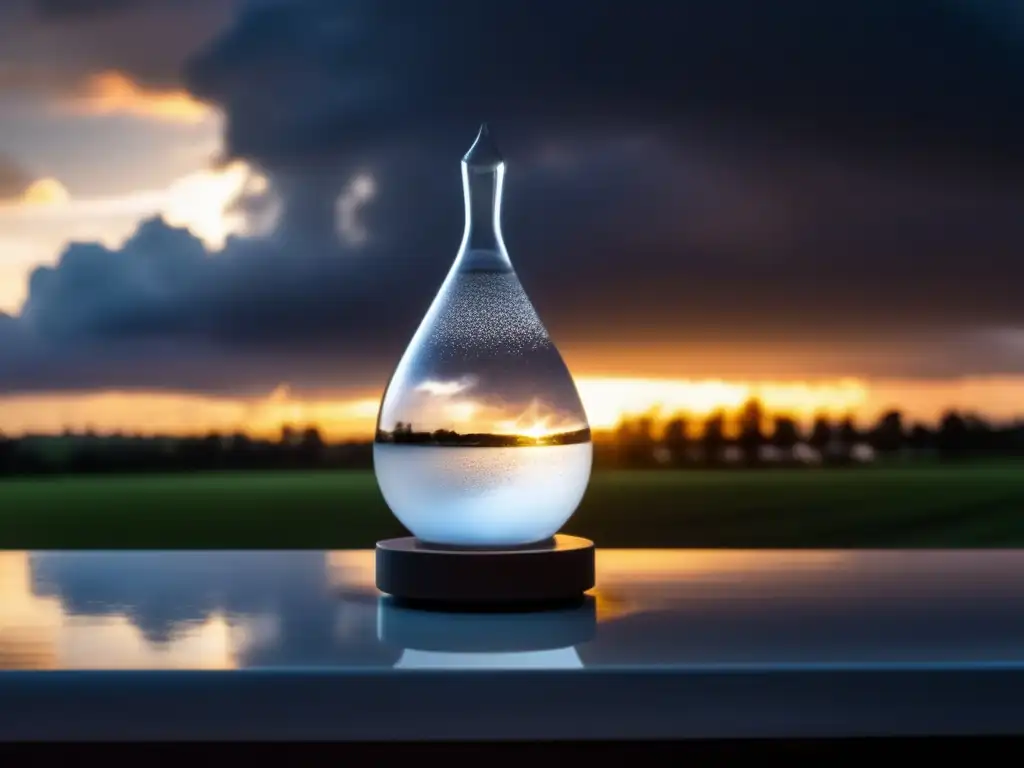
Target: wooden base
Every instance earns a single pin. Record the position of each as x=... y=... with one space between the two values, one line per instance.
x=556 y=572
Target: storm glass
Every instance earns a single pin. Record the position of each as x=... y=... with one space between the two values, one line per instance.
x=481 y=438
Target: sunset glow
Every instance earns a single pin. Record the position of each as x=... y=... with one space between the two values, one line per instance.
x=353 y=416
x=201 y=201
x=536 y=422
x=36 y=632
x=113 y=92
x=607 y=400
x=45 y=192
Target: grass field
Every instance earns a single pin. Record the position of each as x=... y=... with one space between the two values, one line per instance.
x=915 y=506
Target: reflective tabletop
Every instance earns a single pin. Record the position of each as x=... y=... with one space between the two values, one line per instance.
x=675 y=628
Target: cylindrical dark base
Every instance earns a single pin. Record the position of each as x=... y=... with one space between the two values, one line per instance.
x=555 y=572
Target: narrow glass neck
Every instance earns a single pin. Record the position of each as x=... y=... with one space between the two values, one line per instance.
x=482 y=189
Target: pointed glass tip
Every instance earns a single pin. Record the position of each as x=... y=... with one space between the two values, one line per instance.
x=484 y=152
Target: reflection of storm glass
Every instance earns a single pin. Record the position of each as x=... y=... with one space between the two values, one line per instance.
x=482 y=438
x=562 y=658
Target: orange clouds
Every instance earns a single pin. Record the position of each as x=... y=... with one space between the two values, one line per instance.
x=112 y=92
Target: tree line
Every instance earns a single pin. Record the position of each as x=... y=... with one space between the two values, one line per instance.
x=751 y=438
x=755 y=438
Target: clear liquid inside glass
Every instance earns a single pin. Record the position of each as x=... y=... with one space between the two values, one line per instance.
x=482 y=439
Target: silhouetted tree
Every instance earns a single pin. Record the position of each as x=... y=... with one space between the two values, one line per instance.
x=7 y=450
x=848 y=433
x=311 y=447
x=981 y=438
x=288 y=437
x=785 y=433
x=239 y=451
x=952 y=436
x=211 y=451
x=443 y=435
x=751 y=434
x=821 y=433
x=623 y=440
x=677 y=440
x=887 y=436
x=713 y=438
x=636 y=441
x=1015 y=439
x=920 y=438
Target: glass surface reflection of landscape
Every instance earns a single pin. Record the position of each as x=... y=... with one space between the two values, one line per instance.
x=666 y=609
x=482 y=438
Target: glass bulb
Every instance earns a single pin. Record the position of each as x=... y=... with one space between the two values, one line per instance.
x=482 y=439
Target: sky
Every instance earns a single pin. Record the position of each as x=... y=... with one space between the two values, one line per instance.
x=216 y=213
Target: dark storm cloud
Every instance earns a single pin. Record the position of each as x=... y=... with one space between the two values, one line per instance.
x=772 y=166
x=788 y=171
x=78 y=9
x=341 y=75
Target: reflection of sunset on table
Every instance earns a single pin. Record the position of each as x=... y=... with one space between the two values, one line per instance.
x=299 y=644
x=36 y=632
x=682 y=591
x=351 y=572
